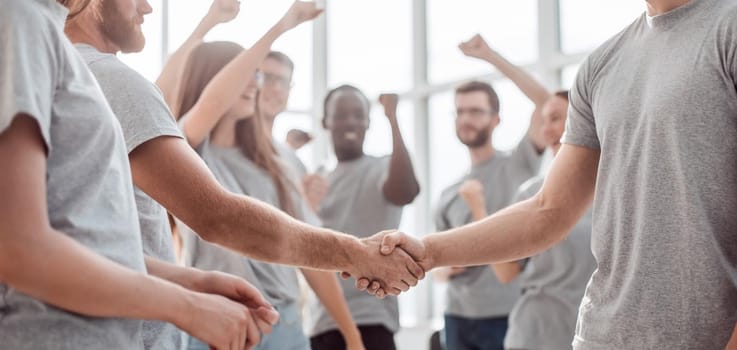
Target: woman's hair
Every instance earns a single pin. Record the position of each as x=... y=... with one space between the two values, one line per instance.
x=252 y=137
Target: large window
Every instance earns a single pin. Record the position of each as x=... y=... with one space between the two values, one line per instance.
x=586 y=24
x=370 y=45
x=509 y=26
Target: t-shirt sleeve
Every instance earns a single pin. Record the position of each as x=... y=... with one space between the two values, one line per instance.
x=526 y=158
x=136 y=102
x=28 y=70
x=580 y=126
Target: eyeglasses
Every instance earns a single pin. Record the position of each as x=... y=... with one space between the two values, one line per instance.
x=258 y=77
x=274 y=80
x=472 y=112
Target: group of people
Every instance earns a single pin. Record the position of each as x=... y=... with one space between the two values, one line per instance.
x=112 y=183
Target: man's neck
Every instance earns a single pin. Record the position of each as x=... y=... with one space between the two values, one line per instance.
x=83 y=31
x=659 y=7
x=480 y=155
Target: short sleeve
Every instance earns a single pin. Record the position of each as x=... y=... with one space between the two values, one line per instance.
x=28 y=67
x=526 y=158
x=580 y=126
x=136 y=102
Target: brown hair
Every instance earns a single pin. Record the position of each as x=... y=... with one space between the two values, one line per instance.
x=281 y=58
x=486 y=88
x=75 y=7
x=205 y=61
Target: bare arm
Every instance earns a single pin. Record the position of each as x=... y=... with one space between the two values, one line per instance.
x=733 y=341
x=169 y=80
x=533 y=89
x=169 y=171
x=328 y=290
x=214 y=282
x=230 y=82
x=519 y=231
x=472 y=192
x=401 y=186
x=49 y=265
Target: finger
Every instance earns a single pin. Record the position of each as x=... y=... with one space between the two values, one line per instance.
x=250 y=295
x=263 y=326
x=345 y=275
x=253 y=337
x=381 y=294
x=362 y=284
x=268 y=315
x=394 y=291
x=415 y=270
x=401 y=286
x=375 y=286
x=389 y=242
x=240 y=342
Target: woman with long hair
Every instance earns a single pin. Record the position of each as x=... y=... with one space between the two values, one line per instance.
x=237 y=148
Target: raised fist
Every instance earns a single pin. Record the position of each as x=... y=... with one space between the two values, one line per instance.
x=476 y=47
x=390 y=102
x=222 y=11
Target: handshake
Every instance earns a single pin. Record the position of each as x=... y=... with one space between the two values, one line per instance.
x=388 y=263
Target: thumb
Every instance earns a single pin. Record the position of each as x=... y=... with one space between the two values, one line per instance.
x=412 y=246
x=250 y=296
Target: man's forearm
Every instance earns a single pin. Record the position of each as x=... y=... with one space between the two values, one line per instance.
x=264 y=233
x=183 y=276
x=504 y=271
x=61 y=272
x=517 y=232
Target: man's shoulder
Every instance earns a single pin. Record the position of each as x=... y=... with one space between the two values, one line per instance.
x=110 y=71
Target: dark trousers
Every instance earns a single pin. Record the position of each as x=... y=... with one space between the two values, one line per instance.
x=374 y=337
x=475 y=334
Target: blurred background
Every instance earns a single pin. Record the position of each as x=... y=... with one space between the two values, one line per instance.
x=408 y=47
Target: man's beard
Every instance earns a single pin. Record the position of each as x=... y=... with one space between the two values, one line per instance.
x=481 y=138
x=123 y=32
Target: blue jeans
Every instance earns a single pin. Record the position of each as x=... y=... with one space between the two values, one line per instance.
x=474 y=334
x=286 y=335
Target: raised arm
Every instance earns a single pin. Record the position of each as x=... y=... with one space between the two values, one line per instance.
x=169 y=80
x=401 y=186
x=537 y=93
x=472 y=192
x=223 y=90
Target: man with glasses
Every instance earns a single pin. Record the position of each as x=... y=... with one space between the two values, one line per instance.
x=276 y=71
x=478 y=303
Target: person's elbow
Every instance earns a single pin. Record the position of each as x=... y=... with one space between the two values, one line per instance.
x=404 y=196
x=15 y=246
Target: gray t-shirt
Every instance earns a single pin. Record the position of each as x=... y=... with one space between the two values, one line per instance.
x=477 y=293
x=660 y=105
x=89 y=193
x=143 y=115
x=240 y=175
x=553 y=283
x=355 y=204
x=289 y=156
